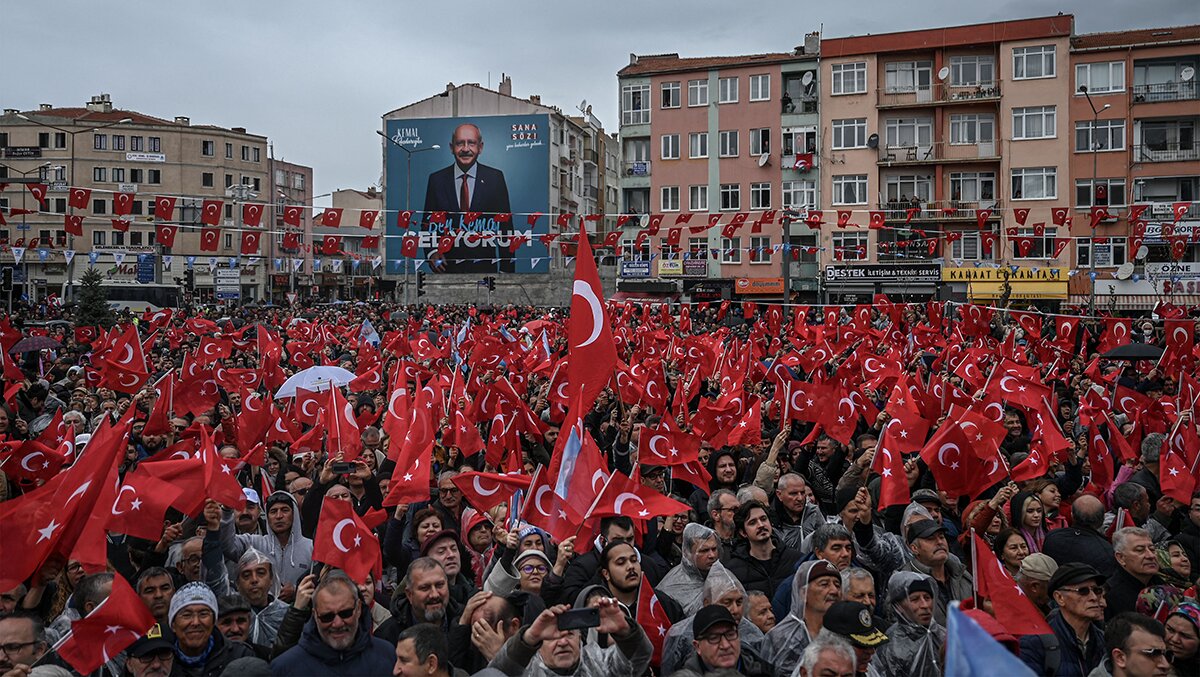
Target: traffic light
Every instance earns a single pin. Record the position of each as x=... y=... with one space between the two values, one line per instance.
x=189 y=279
x=491 y=283
x=6 y=280
x=420 y=283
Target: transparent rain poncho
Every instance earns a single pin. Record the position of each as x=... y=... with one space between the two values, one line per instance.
x=684 y=582
x=677 y=648
x=913 y=649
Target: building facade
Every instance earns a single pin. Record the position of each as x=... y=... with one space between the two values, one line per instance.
x=359 y=272
x=113 y=152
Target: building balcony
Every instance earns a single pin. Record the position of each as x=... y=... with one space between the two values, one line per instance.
x=937 y=94
x=937 y=153
x=1166 y=152
x=944 y=210
x=636 y=168
x=590 y=156
x=1165 y=211
x=1166 y=91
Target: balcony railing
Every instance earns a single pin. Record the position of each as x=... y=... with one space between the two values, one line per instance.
x=590 y=155
x=1166 y=91
x=945 y=210
x=938 y=93
x=937 y=152
x=1166 y=152
x=1165 y=210
x=637 y=168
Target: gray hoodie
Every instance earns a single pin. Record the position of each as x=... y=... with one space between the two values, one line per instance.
x=290 y=562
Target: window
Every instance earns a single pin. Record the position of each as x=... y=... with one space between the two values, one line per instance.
x=135 y=238
x=850 y=189
x=848 y=78
x=207 y=147
x=1100 y=78
x=729 y=143
x=100 y=141
x=970 y=247
x=43 y=139
x=850 y=133
x=1035 y=122
x=60 y=205
x=849 y=246
x=229 y=151
x=669 y=252
x=245 y=153
x=697 y=92
x=1103 y=136
x=280 y=178
x=760 y=249
x=1043 y=246
x=760 y=195
x=155 y=144
x=1035 y=183
x=60 y=140
x=670 y=146
x=1034 y=62
x=1109 y=254
x=907 y=76
x=698 y=144
x=727 y=90
x=228 y=240
x=60 y=236
x=969 y=71
x=760 y=141
x=670 y=199
x=909 y=133
x=228 y=180
x=698 y=198
x=206 y=179
x=731 y=197
x=135 y=207
x=99 y=206
x=799 y=194
x=973 y=187
x=698 y=247
x=99 y=174
x=901 y=189
x=154 y=176
x=118 y=174
x=760 y=87
x=136 y=143
x=118 y=142
x=257 y=184
x=800 y=140
x=298 y=181
x=972 y=129
x=731 y=250
x=670 y=94
x=635 y=104
x=1107 y=193
x=135 y=175
x=99 y=238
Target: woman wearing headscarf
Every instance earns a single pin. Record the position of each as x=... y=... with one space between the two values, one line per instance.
x=1028 y=517
x=1183 y=638
x=1175 y=565
x=685 y=582
x=720 y=587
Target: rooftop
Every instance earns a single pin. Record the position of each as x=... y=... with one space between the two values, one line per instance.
x=673 y=63
x=100 y=111
x=1144 y=36
x=969 y=35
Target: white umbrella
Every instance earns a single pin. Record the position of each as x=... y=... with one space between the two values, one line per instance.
x=314 y=378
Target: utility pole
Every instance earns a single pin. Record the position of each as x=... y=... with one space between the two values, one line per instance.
x=1092 y=235
x=407 y=196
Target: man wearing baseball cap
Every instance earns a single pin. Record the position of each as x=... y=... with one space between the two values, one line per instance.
x=151 y=655
x=1078 y=590
x=930 y=550
x=854 y=622
x=1034 y=578
x=718 y=645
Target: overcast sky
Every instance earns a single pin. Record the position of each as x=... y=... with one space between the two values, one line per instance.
x=315 y=76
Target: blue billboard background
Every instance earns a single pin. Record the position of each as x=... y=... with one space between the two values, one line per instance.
x=517 y=146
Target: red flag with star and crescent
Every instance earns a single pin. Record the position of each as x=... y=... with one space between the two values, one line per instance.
x=117 y=622
x=653 y=619
x=593 y=355
x=1011 y=607
x=345 y=541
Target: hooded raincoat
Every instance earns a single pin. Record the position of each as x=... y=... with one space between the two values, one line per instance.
x=678 y=648
x=290 y=562
x=785 y=643
x=913 y=650
x=684 y=583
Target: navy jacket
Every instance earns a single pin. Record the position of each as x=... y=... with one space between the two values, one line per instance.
x=1071 y=663
x=489 y=198
x=367 y=656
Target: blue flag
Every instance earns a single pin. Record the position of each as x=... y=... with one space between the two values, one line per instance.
x=971 y=651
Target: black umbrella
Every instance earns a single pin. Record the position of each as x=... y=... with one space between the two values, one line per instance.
x=1134 y=352
x=35 y=343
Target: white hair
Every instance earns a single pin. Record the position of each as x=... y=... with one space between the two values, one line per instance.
x=822 y=643
x=1120 y=538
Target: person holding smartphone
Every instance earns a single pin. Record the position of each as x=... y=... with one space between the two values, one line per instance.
x=553 y=643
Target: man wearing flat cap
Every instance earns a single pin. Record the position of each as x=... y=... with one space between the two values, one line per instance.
x=1079 y=591
x=718 y=645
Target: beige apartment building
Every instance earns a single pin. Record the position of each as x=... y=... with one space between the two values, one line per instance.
x=110 y=151
x=359 y=275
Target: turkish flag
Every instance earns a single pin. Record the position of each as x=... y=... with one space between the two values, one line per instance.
x=249 y=242
x=346 y=542
x=370 y=242
x=410 y=480
x=878 y=219
x=121 y=225
x=291 y=240
x=545 y=509
x=164 y=207
x=252 y=214
x=1020 y=215
x=165 y=234
x=1180 y=209
x=80 y=198
x=331 y=245
x=484 y=490
x=907 y=426
x=308 y=406
x=463 y=433
x=748 y=431
x=1117 y=332
x=1010 y=606
x=1058 y=215
x=403 y=219
x=123 y=204
x=653 y=619
x=888 y=463
x=38 y=191
x=950 y=458
x=813 y=220
x=367 y=381
x=592 y=351
x=140 y=505
x=988 y=239
x=73 y=224
x=1060 y=243
x=445 y=244
x=33 y=461
x=408 y=246
x=292 y=215
x=331 y=218
x=117 y=622
x=220 y=475
x=211 y=210
x=209 y=238
x=622 y=496
x=366 y=218
x=342 y=431
x=1033 y=467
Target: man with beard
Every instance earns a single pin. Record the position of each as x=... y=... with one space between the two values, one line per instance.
x=931 y=557
x=423 y=596
x=254 y=579
x=289 y=550
x=249 y=520
x=621 y=571
x=337 y=639
x=759 y=559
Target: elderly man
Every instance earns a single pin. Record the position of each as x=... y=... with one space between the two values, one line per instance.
x=1137 y=568
x=718 y=646
x=425 y=599
x=1034 y=578
x=723 y=589
x=1078 y=590
x=150 y=655
x=542 y=650
x=854 y=623
x=23 y=640
x=830 y=542
x=816 y=587
x=685 y=582
x=795 y=517
x=337 y=639
x=289 y=550
x=199 y=651
x=931 y=557
x=1083 y=542
x=828 y=656
x=916 y=638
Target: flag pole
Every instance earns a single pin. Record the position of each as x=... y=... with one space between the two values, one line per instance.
x=975 y=569
x=537 y=472
x=595 y=502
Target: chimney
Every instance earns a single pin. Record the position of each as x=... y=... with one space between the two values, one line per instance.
x=449 y=86
x=812 y=43
x=239 y=130
x=101 y=103
x=633 y=59
x=45 y=106
x=372 y=192
x=182 y=120
x=11 y=111
x=505 y=85
x=535 y=99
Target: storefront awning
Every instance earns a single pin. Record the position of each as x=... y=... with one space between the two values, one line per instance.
x=1135 y=301
x=986 y=291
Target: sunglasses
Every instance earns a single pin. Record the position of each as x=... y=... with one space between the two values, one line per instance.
x=1086 y=590
x=1155 y=654
x=344 y=614
x=160 y=655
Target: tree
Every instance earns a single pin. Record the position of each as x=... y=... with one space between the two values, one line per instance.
x=92 y=307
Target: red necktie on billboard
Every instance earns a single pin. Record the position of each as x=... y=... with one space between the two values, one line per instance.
x=464 y=194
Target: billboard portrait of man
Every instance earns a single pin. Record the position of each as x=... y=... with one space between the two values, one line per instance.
x=467 y=185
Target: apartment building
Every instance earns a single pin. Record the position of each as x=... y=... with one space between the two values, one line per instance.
x=111 y=151
x=731 y=138
x=948 y=132
x=357 y=273
x=1134 y=112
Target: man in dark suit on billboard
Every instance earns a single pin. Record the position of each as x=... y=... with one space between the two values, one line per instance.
x=468 y=186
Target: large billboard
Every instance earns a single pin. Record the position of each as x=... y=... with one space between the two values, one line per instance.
x=486 y=167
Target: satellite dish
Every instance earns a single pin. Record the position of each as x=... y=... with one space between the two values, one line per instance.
x=583 y=104
x=1187 y=73
x=1142 y=252
x=807 y=78
x=944 y=73
x=873 y=141
x=589 y=109
x=764 y=159
x=1125 y=271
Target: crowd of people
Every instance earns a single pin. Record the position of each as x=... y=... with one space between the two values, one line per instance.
x=820 y=544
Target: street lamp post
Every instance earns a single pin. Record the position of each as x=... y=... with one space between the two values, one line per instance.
x=71 y=179
x=24 y=227
x=1092 y=235
x=407 y=191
